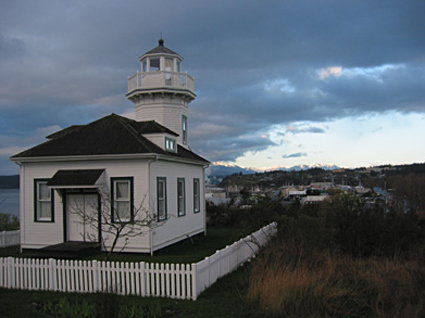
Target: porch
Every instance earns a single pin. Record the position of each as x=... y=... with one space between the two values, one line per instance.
x=69 y=250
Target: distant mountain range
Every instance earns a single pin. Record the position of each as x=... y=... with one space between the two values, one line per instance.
x=218 y=171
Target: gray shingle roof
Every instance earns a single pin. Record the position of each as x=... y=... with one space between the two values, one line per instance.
x=161 y=49
x=75 y=177
x=110 y=135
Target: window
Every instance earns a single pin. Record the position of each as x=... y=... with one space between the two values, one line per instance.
x=169 y=65
x=178 y=67
x=161 y=195
x=196 y=197
x=154 y=65
x=181 y=200
x=184 y=129
x=170 y=144
x=43 y=205
x=122 y=199
x=168 y=70
x=144 y=65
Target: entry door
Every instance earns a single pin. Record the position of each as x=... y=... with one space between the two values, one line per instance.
x=79 y=207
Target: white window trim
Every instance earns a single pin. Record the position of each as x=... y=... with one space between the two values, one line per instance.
x=37 y=201
x=129 y=199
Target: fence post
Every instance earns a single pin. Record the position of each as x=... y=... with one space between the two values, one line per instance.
x=194 y=273
x=52 y=276
x=95 y=273
x=11 y=282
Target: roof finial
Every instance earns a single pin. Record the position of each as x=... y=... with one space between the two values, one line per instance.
x=161 y=41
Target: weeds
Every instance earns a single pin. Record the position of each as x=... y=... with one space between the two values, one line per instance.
x=341 y=261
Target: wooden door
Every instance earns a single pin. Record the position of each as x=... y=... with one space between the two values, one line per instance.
x=82 y=212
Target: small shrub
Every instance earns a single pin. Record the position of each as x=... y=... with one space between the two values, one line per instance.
x=65 y=309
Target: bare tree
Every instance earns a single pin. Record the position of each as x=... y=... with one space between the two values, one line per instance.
x=115 y=225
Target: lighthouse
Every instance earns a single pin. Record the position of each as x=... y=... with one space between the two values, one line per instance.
x=162 y=92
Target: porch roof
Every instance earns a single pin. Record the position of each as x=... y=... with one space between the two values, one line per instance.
x=75 y=178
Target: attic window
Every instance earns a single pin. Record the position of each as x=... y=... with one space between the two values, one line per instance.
x=170 y=144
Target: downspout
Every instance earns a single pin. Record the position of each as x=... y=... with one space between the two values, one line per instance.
x=21 y=203
x=203 y=199
x=149 y=178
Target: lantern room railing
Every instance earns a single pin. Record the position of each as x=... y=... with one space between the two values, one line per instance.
x=161 y=79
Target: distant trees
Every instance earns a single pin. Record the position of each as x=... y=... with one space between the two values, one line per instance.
x=409 y=189
x=8 y=222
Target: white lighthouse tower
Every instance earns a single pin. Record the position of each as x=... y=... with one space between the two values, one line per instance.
x=161 y=92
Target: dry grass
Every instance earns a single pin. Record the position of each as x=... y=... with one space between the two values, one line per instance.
x=323 y=285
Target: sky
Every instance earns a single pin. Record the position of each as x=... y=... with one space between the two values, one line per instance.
x=278 y=83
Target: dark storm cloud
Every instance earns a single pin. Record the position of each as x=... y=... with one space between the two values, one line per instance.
x=295 y=155
x=257 y=64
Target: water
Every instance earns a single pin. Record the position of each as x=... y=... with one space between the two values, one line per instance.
x=9 y=201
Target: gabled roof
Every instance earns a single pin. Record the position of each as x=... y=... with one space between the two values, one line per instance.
x=110 y=135
x=161 y=49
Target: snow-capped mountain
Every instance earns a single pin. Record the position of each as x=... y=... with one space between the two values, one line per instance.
x=306 y=167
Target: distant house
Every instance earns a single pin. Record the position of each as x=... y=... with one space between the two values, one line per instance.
x=139 y=165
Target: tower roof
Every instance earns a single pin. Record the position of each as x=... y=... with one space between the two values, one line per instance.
x=161 y=49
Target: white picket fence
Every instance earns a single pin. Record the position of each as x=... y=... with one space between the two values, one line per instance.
x=8 y=238
x=181 y=281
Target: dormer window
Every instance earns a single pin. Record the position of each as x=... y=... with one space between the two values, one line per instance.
x=170 y=144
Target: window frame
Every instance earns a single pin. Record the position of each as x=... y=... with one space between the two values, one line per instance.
x=37 y=217
x=161 y=181
x=181 y=197
x=196 y=195
x=130 y=200
x=184 y=129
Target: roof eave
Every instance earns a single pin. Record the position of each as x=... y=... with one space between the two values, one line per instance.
x=109 y=157
x=83 y=158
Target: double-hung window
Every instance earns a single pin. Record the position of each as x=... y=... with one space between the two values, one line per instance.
x=181 y=197
x=43 y=205
x=161 y=198
x=184 y=129
x=196 y=196
x=122 y=199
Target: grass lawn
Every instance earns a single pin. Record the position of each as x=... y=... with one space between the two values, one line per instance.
x=188 y=251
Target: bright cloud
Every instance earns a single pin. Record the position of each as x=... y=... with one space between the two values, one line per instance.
x=335 y=71
x=376 y=72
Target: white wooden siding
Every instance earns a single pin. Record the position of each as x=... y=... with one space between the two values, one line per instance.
x=176 y=228
x=38 y=234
